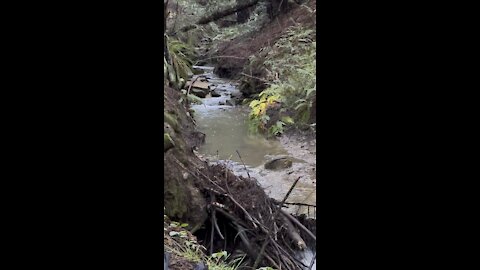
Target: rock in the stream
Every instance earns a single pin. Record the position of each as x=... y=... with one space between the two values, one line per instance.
x=236 y=94
x=197 y=71
x=199 y=88
x=215 y=93
x=278 y=163
x=201 y=93
x=199 y=84
x=230 y=102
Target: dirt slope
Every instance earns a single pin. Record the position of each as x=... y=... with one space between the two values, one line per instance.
x=239 y=49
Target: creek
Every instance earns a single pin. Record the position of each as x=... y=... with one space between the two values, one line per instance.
x=226 y=130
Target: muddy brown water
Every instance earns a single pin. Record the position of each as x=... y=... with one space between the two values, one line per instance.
x=226 y=130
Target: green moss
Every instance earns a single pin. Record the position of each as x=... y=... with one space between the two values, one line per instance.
x=171 y=119
x=175 y=198
x=167 y=142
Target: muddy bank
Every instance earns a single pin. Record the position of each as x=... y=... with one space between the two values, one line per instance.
x=182 y=198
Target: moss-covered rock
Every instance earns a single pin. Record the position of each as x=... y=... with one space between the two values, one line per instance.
x=168 y=142
x=171 y=119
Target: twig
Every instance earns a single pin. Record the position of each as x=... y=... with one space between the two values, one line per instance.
x=226 y=180
x=272 y=261
x=241 y=232
x=249 y=217
x=213 y=227
x=243 y=164
x=301 y=204
x=190 y=87
x=291 y=258
x=216 y=225
x=262 y=250
x=282 y=259
x=225 y=229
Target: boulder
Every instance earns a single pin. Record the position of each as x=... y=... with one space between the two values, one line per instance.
x=198 y=84
x=278 y=163
x=230 y=102
x=215 y=93
x=201 y=93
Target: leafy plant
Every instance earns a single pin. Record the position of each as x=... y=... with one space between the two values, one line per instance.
x=290 y=66
x=181 y=59
x=277 y=129
x=258 y=114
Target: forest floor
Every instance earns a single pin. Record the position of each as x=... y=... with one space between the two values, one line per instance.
x=235 y=53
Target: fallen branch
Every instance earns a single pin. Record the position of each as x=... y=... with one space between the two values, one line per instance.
x=219 y=14
x=294 y=235
x=300 y=225
x=262 y=250
x=299 y=204
x=240 y=230
x=189 y=88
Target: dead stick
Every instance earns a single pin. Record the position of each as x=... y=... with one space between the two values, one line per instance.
x=213 y=226
x=190 y=87
x=240 y=230
x=272 y=261
x=291 y=258
x=300 y=225
x=301 y=204
x=294 y=235
x=249 y=217
x=243 y=164
x=282 y=259
x=260 y=255
x=216 y=225
x=226 y=180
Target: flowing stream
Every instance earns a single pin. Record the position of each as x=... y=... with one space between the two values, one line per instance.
x=226 y=130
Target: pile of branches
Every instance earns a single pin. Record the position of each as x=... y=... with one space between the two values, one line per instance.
x=269 y=234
